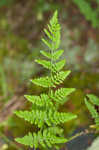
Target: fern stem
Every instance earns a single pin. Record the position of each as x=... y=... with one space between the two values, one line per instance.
x=51 y=51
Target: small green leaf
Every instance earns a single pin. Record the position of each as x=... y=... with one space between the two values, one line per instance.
x=48 y=34
x=43 y=81
x=94 y=99
x=57 y=54
x=26 y=140
x=59 y=65
x=60 y=77
x=60 y=95
x=47 y=43
x=91 y=109
x=46 y=54
x=44 y=63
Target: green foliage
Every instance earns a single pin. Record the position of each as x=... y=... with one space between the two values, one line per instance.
x=59 y=96
x=45 y=138
x=94 y=101
x=89 y=13
x=5 y=2
x=3 y=82
x=44 y=112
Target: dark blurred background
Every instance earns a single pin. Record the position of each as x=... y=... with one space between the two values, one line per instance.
x=21 y=28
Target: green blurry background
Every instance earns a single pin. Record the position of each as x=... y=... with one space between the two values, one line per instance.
x=21 y=28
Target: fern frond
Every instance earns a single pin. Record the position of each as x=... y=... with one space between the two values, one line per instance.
x=91 y=109
x=44 y=112
x=94 y=99
x=46 y=139
x=60 y=95
x=44 y=82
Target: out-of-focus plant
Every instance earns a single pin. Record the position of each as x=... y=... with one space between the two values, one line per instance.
x=92 y=52
x=6 y=2
x=42 y=6
x=79 y=55
x=11 y=54
x=91 y=103
x=3 y=82
x=89 y=13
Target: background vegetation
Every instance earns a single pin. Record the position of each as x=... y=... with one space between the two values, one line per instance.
x=21 y=24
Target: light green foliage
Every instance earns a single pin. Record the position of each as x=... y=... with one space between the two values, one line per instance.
x=59 y=95
x=89 y=13
x=44 y=112
x=3 y=82
x=94 y=99
x=5 y=2
x=49 y=117
x=91 y=103
x=47 y=138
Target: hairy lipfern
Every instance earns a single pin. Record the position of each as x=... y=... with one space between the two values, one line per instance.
x=91 y=103
x=45 y=112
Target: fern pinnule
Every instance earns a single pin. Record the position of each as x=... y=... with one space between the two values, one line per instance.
x=59 y=96
x=94 y=99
